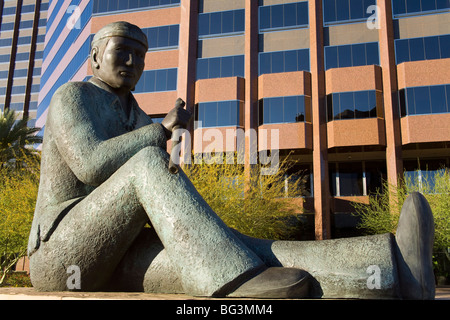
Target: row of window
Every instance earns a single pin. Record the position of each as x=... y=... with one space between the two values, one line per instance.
x=352 y=55
x=354 y=105
x=23 y=25
x=284 y=61
x=21 y=41
x=20 y=56
x=346 y=10
x=415 y=49
x=425 y=100
x=19 y=89
x=219 y=114
x=18 y=73
x=356 y=178
x=401 y=7
x=25 y=9
x=223 y=22
x=219 y=67
x=422 y=172
x=157 y=81
x=364 y=178
x=161 y=37
x=284 y=109
x=18 y=106
x=101 y=6
x=283 y=15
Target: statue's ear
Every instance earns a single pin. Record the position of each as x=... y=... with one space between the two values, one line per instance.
x=95 y=58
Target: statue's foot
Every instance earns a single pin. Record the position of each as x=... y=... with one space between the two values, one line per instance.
x=275 y=283
x=415 y=236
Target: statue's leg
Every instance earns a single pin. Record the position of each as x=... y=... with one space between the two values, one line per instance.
x=361 y=267
x=374 y=267
x=96 y=233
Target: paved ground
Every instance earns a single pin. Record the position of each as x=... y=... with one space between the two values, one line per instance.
x=442 y=293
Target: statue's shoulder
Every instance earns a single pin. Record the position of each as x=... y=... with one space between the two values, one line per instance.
x=74 y=90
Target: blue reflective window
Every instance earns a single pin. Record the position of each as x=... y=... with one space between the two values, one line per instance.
x=265 y=63
x=351 y=55
x=227 y=22
x=331 y=57
x=214 y=68
x=276 y=17
x=215 y=26
x=424 y=100
x=290 y=14
x=283 y=15
x=347 y=105
x=359 y=54
x=438 y=99
x=415 y=49
x=336 y=106
x=329 y=10
x=345 y=56
x=372 y=54
x=346 y=10
x=264 y=17
x=157 y=80
x=343 y=10
x=103 y=6
x=284 y=61
x=402 y=51
x=276 y=110
x=401 y=7
x=413 y=6
x=203 y=24
x=226 y=68
x=290 y=61
x=283 y=109
x=277 y=62
x=238 y=66
x=220 y=67
x=444 y=44
x=354 y=105
x=222 y=22
x=219 y=113
x=431 y=48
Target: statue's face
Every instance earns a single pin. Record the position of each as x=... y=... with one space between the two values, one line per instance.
x=122 y=63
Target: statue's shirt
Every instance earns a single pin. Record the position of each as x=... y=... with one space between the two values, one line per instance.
x=88 y=136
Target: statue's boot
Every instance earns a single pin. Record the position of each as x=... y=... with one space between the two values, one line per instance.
x=275 y=283
x=414 y=238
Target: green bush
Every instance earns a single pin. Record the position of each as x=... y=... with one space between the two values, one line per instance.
x=382 y=212
x=18 y=193
x=256 y=205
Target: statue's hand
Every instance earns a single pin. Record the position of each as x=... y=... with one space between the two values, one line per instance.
x=177 y=117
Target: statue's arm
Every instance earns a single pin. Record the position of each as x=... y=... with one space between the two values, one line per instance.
x=89 y=152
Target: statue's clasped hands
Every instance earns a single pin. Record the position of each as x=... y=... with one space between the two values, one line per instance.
x=177 y=118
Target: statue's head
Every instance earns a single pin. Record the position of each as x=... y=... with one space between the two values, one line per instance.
x=118 y=54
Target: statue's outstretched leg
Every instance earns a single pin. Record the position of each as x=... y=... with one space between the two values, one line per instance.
x=97 y=232
x=373 y=267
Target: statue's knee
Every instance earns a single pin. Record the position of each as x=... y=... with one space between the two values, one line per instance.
x=152 y=156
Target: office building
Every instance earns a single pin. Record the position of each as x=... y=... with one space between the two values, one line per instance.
x=357 y=90
x=22 y=33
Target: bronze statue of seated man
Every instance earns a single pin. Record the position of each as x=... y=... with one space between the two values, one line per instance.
x=104 y=175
